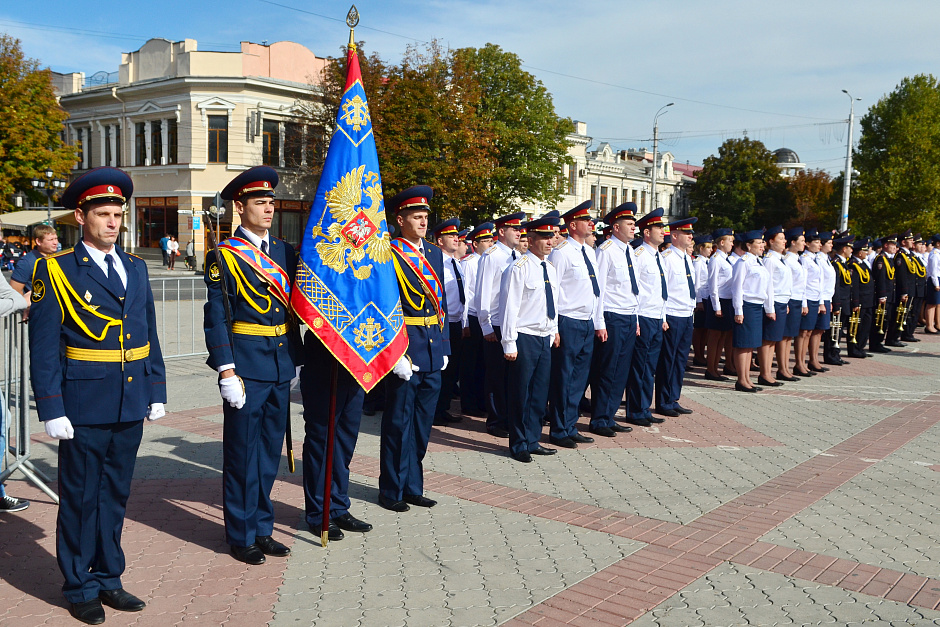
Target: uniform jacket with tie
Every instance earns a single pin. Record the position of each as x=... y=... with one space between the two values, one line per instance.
x=427 y=345
x=883 y=275
x=70 y=310
x=903 y=276
x=864 y=292
x=258 y=357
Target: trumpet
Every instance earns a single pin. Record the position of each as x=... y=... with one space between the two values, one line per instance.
x=836 y=328
x=880 y=317
x=854 y=321
x=902 y=316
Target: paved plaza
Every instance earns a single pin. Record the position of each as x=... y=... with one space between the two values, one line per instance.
x=811 y=504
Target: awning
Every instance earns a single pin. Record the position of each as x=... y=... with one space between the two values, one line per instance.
x=22 y=220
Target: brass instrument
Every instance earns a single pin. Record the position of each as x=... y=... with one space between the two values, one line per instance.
x=835 y=327
x=902 y=316
x=880 y=313
x=854 y=321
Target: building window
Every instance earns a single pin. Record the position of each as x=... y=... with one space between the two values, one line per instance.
x=643 y=201
x=156 y=142
x=270 y=153
x=594 y=194
x=634 y=197
x=572 y=180
x=173 y=136
x=81 y=146
x=293 y=145
x=117 y=146
x=603 y=198
x=140 y=144
x=218 y=139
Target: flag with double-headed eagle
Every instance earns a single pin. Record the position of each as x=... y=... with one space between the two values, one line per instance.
x=345 y=287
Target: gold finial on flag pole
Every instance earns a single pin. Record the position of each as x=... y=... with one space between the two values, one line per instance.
x=352 y=20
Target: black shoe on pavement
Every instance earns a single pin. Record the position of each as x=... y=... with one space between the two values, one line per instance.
x=655 y=420
x=834 y=362
x=334 y=533
x=348 y=522
x=621 y=429
x=741 y=388
x=701 y=363
x=541 y=450
x=896 y=344
x=563 y=442
x=640 y=422
x=523 y=457
x=581 y=439
x=770 y=384
x=419 y=500
x=783 y=377
x=498 y=432
x=605 y=432
x=270 y=546
x=395 y=506
x=670 y=413
x=89 y=612
x=881 y=349
x=815 y=369
x=712 y=377
x=682 y=410
x=121 y=600
x=248 y=554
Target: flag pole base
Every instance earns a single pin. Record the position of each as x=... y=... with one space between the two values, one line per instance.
x=324 y=538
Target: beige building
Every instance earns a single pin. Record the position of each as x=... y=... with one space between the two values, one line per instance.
x=184 y=122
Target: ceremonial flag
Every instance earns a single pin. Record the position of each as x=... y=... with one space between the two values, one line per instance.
x=345 y=288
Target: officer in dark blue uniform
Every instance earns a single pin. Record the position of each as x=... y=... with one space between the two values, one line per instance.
x=256 y=358
x=97 y=372
x=412 y=397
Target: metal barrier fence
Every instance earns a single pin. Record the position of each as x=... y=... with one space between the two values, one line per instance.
x=14 y=398
x=179 y=306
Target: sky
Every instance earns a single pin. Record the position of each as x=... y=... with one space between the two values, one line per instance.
x=774 y=71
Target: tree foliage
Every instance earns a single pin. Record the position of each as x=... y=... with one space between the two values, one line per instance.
x=815 y=199
x=898 y=159
x=30 y=124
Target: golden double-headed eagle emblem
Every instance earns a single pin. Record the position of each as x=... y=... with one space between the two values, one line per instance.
x=354 y=235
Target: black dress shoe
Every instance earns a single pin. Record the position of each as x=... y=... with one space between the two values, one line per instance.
x=770 y=384
x=580 y=439
x=621 y=429
x=896 y=344
x=700 y=363
x=815 y=369
x=682 y=410
x=605 y=432
x=730 y=372
x=655 y=420
x=671 y=413
x=804 y=373
x=834 y=362
x=881 y=349
x=89 y=612
x=857 y=355
x=248 y=554
x=348 y=522
x=541 y=450
x=334 y=533
x=910 y=338
x=270 y=546
x=563 y=442
x=741 y=388
x=783 y=377
x=419 y=501
x=498 y=432
x=122 y=600
x=715 y=377
x=395 y=506
x=523 y=457
x=640 y=422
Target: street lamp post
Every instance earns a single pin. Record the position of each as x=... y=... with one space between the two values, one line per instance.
x=655 y=149
x=847 y=179
x=50 y=185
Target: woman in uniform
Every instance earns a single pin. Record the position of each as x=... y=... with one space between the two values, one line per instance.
x=752 y=296
x=797 y=308
x=814 y=306
x=826 y=290
x=782 y=281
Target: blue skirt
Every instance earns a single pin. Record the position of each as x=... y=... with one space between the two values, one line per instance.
x=792 y=327
x=822 y=321
x=933 y=296
x=808 y=322
x=698 y=318
x=749 y=334
x=725 y=322
x=773 y=329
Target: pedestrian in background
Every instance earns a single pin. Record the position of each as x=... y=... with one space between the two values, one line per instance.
x=10 y=301
x=172 y=251
x=164 y=249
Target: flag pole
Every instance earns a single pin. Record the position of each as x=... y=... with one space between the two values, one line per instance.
x=328 y=475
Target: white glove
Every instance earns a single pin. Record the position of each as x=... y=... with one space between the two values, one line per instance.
x=446 y=361
x=296 y=380
x=156 y=411
x=60 y=429
x=403 y=369
x=233 y=391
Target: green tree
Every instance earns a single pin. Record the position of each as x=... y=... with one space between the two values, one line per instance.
x=815 y=199
x=30 y=124
x=530 y=138
x=898 y=159
x=737 y=188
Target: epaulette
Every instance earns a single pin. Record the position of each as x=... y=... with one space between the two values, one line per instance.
x=606 y=245
x=61 y=252
x=561 y=245
x=133 y=255
x=490 y=250
x=639 y=250
x=522 y=261
x=665 y=253
x=470 y=256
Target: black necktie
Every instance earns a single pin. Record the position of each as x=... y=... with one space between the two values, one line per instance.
x=662 y=277
x=636 y=289
x=688 y=275
x=728 y=259
x=114 y=281
x=513 y=255
x=549 y=299
x=463 y=297
x=264 y=247
x=590 y=269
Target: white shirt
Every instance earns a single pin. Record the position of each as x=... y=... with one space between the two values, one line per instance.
x=649 y=277
x=613 y=275
x=522 y=298
x=470 y=264
x=455 y=309
x=700 y=265
x=98 y=257
x=813 y=276
x=751 y=283
x=933 y=267
x=780 y=275
x=828 y=287
x=677 y=267
x=254 y=239
x=576 y=299
x=720 y=267
x=486 y=295
x=798 y=277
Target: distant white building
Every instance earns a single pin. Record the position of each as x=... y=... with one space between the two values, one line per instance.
x=788 y=162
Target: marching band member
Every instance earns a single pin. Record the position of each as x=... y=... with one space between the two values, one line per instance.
x=861 y=277
x=752 y=295
x=885 y=293
x=781 y=279
x=845 y=299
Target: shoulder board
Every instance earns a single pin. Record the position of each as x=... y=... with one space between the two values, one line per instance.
x=61 y=252
x=490 y=250
x=133 y=255
x=561 y=245
x=665 y=253
x=522 y=261
x=606 y=245
x=549 y=262
x=639 y=250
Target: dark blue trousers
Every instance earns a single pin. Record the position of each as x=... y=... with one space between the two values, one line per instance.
x=529 y=376
x=252 y=441
x=613 y=359
x=494 y=383
x=571 y=365
x=95 y=471
x=315 y=387
x=672 y=361
x=643 y=367
x=406 y=429
x=451 y=374
x=472 y=369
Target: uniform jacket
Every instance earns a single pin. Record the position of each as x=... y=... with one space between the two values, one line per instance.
x=262 y=358
x=864 y=284
x=903 y=277
x=845 y=285
x=427 y=345
x=883 y=275
x=93 y=392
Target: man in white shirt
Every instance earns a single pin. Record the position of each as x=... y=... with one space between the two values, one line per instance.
x=579 y=290
x=486 y=302
x=448 y=240
x=652 y=318
x=472 y=365
x=680 y=306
